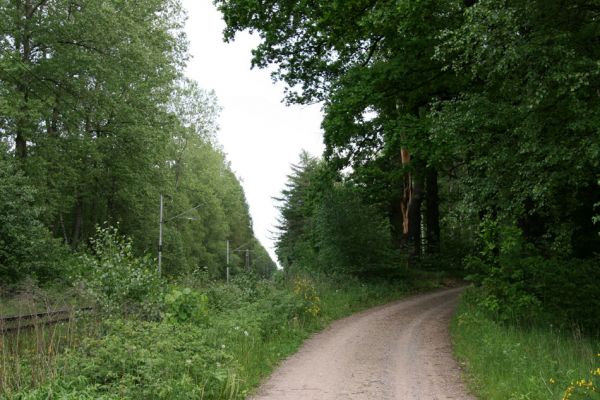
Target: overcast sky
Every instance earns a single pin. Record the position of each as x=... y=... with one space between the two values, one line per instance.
x=260 y=135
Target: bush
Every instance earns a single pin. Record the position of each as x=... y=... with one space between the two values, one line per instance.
x=518 y=284
x=305 y=291
x=568 y=290
x=26 y=246
x=186 y=305
x=205 y=347
x=66 y=389
x=118 y=281
x=505 y=361
x=153 y=360
x=353 y=237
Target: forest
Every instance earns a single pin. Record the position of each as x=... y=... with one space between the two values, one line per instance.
x=462 y=144
x=457 y=133
x=95 y=127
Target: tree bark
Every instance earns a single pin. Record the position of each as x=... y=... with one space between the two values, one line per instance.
x=433 y=211
x=78 y=221
x=396 y=220
x=23 y=43
x=411 y=206
x=406 y=193
x=415 y=216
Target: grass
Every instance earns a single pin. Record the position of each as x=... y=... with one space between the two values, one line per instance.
x=337 y=300
x=30 y=357
x=27 y=298
x=507 y=362
x=251 y=327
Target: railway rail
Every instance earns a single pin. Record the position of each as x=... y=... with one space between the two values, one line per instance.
x=28 y=321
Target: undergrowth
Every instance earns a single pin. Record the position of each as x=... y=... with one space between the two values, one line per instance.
x=510 y=361
x=212 y=340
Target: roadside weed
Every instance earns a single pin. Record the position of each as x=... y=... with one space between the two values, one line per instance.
x=508 y=362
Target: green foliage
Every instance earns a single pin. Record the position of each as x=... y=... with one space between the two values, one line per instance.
x=500 y=99
x=99 y=120
x=228 y=297
x=250 y=326
x=117 y=280
x=186 y=305
x=518 y=284
x=567 y=290
x=296 y=245
x=305 y=290
x=507 y=362
x=353 y=237
x=26 y=246
x=326 y=225
x=153 y=361
x=526 y=131
x=68 y=389
x=200 y=176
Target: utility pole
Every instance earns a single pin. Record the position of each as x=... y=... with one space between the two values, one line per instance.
x=227 y=261
x=247 y=254
x=160 y=235
x=162 y=223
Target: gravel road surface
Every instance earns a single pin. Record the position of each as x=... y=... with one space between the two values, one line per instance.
x=397 y=351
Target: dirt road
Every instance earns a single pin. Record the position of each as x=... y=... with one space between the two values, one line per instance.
x=396 y=351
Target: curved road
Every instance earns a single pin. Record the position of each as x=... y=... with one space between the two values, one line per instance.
x=397 y=351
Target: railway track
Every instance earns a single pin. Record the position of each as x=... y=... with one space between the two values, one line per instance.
x=28 y=321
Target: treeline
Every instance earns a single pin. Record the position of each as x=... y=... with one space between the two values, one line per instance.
x=96 y=121
x=455 y=130
x=328 y=225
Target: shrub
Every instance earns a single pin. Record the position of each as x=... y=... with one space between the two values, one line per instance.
x=353 y=237
x=26 y=246
x=505 y=361
x=305 y=290
x=519 y=284
x=568 y=290
x=153 y=360
x=186 y=305
x=118 y=281
x=225 y=297
x=66 y=389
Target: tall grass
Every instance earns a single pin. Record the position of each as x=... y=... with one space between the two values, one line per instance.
x=508 y=362
x=250 y=328
x=30 y=349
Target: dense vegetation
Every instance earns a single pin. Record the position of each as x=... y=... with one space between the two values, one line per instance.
x=461 y=135
x=195 y=338
x=96 y=121
x=508 y=361
x=452 y=128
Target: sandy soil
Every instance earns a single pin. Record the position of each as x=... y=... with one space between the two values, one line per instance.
x=396 y=351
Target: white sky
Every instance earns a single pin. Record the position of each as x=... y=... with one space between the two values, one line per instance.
x=260 y=135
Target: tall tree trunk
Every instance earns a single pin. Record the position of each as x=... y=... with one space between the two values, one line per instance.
x=396 y=220
x=411 y=206
x=406 y=193
x=64 y=230
x=23 y=44
x=415 y=216
x=52 y=123
x=78 y=221
x=433 y=211
x=20 y=145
